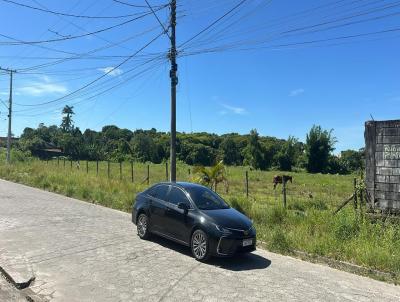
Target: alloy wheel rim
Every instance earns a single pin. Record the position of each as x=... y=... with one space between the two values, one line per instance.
x=142 y=225
x=199 y=245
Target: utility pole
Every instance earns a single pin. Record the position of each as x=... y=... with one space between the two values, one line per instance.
x=174 y=82
x=9 y=114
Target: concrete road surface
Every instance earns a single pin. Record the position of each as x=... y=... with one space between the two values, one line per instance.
x=78 y=251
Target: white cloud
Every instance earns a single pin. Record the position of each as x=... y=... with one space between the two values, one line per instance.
x=111 y=71
x=233 y=109
x=296 y=92
x=42 y=88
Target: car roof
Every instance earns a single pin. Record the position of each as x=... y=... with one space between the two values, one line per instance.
x=182 y=184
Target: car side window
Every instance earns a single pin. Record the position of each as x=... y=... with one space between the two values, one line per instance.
x=159 y=192
x=176 y=196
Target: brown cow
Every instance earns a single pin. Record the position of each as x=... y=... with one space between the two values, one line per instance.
x=278 y=179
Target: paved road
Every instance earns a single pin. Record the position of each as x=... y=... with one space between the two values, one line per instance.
x=82 y=252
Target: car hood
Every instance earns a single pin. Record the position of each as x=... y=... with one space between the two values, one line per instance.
x=229 y=218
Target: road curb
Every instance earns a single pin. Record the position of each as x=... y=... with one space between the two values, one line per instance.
x=342 y=265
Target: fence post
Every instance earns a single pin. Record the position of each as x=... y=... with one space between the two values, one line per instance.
x=71 y=163
x=284 y=192
x=132 y=171
x=108 y=168
x=166 y=171
x=97 y=167
x=355 y=193
x=189 y=171
x=361 y=204
x=87 y=167
x=247 y=184
x=148 y=174
x=58 y=161
x=120 y=170
x=64 y=163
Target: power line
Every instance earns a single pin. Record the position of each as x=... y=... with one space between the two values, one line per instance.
x=213 y=50
x=77 y=36
x=97 y=94
x=287 y=33
x=98 y=86
x=158 y=19
x=83 y=55
x=101 y=77
x=213 y=23
x=68 y=15
x=131 y=5
x=80 y=27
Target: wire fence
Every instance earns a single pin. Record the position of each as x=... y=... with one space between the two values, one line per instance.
x=255 y=185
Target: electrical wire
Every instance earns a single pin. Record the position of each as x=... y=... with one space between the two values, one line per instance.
x=76 y=36
x=158 y=19
x=132 y=5
x=66 y=14
x=101 y=77
x=214 y=22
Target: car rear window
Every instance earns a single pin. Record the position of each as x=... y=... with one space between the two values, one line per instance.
x=159 y=191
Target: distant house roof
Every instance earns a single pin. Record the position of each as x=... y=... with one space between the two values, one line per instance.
x=4 y=138
x=52 y=150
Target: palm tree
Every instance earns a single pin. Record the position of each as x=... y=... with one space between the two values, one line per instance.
x=211 y=176
x=67 y=123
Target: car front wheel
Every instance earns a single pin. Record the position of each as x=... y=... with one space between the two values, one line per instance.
x=142 y=226
x=199 y=245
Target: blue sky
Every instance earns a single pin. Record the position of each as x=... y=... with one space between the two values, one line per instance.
x=281 y=87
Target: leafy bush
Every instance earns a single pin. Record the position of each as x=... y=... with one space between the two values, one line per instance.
x=346 y=227
x=280 y=242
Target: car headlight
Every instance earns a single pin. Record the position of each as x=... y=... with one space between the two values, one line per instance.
x=222 y=229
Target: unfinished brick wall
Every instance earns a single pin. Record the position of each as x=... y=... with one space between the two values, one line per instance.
x=382 y=152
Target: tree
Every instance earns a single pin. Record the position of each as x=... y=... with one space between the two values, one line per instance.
x=354 y=160
x=67 y=124
x=286 y=157
x=198 y=154
x=253 y=152
x=230 y=152
x=319 y=145
x=144 y=148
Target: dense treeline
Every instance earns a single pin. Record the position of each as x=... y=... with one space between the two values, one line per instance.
x=259 y=152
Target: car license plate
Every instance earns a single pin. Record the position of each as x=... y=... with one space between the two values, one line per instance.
x=247 y=242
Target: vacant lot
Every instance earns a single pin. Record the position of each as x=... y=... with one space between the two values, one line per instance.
x=307 y=224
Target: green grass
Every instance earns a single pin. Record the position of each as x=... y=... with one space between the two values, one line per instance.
x=306 y=225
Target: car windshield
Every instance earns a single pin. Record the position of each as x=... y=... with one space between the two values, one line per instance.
x=205 y=199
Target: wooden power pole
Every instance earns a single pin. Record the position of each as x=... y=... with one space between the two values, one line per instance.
x=174 y=82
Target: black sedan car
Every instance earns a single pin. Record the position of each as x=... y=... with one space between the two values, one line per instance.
x=195 y=216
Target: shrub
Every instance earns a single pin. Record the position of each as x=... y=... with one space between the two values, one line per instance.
x=346 y=227
x=280 y=242
x=318 y=204
x=297 y=206
x=276 y=216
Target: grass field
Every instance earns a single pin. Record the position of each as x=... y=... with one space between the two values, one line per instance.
x=306 y=225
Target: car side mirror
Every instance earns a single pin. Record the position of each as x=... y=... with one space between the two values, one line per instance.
x=183 y=206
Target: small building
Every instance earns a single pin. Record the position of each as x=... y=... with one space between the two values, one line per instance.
x=50 y=150
x=382 y=152
x=3 y=140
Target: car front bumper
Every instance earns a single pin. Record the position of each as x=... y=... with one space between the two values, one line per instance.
x=224 y=245
x=229 y=246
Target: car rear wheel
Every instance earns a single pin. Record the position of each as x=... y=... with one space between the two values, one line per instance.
x=199 y=245
x=142 y=226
